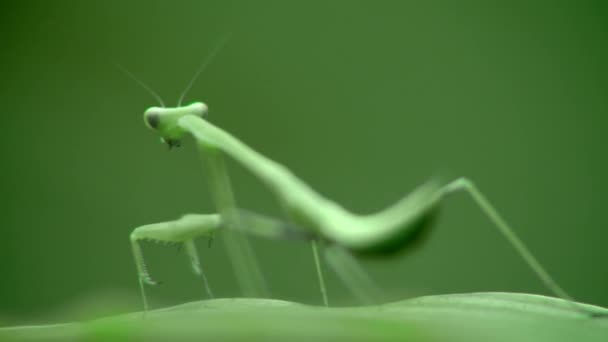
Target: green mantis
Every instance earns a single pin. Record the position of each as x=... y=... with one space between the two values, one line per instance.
x=311 y=217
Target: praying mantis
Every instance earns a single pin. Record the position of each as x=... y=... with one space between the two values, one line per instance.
x=329 y=227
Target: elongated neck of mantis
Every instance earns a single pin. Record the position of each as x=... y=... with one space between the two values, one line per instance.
x=305 y=205
x=278 y=178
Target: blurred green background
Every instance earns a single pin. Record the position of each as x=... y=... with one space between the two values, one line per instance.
x=362 y=99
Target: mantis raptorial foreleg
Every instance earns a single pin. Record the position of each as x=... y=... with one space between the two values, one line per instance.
x=192 y=226
x=192 y=253
x=183 y=230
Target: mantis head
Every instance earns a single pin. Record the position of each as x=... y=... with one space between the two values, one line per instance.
x=165 y=120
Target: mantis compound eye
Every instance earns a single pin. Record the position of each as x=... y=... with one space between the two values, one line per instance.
x=152 y=118
x=199 y=109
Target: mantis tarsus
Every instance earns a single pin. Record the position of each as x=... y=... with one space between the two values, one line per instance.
x=311 y=216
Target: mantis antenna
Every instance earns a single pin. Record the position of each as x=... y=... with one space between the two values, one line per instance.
x=198 y=72
x=142 y=84
x=202 y=67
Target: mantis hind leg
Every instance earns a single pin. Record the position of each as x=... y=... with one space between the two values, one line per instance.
x=315 y=254
x=466 y=185
x=352 y=275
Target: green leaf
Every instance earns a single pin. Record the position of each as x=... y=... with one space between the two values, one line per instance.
x=457 y=317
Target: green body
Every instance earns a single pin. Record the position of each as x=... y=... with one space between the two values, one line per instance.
x=315 y=217
x=327 y=219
